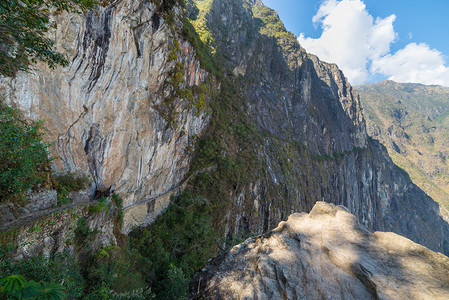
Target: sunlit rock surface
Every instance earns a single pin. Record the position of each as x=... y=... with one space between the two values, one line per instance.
x=326 y=254
x=102 y=115
x=101 y=112
x=315 y=146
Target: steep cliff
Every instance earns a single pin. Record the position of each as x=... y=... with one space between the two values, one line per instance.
x=284 y=129
x=325 y=255
x=312 y=143
x=115 y=112
x=411 y=121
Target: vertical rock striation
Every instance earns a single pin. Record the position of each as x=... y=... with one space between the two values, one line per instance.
x=117 y=113
x=315 y=146
x=103 y=112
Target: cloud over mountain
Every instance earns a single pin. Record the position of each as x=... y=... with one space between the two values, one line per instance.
x=360 y=45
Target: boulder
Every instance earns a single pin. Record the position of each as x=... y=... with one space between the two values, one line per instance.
x=325 y=254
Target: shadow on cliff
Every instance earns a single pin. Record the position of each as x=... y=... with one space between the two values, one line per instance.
x=307 y=107
x=421 y=219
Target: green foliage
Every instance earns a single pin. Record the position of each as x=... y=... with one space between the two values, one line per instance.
x=229 y=145
x=44 y=291
x=203 y=52
x=83 y=233
x=176 y=245
x=110 y=273
x=200 y=24
x=137 y=294
x=272 y=26
x=101 y=205
x=24 y=27
x=175 y=285
x=195 y=98
x=113 y=271
x=16 y=287
x=12 y=284
x=119 y=204
x=69 y=182
x=57 y=275
x=24 y=158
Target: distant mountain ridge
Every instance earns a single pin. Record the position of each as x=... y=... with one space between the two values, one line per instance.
x=412 y=121
x=208 y=122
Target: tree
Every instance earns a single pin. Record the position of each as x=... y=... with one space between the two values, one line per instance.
x=23 y=32
x=24 y=158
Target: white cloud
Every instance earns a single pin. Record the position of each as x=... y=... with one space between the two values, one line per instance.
x=360 y=45
x=414 y=63
x=351 y=37
x=325 y=9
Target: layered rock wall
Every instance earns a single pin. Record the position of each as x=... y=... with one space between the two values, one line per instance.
x=103 y=112
x=116 y=113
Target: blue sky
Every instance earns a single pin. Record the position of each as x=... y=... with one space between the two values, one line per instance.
x=371 y=40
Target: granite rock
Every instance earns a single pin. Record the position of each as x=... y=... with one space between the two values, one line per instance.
x=325 y=254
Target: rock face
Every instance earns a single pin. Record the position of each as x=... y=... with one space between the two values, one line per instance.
x=76 y=230
x=315 y=146
x=326 y=254
x=115 y=114
x=411 y=120
x=103 y=112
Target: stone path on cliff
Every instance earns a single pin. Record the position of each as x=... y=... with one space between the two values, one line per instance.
x=29 y=218
x=172 y=189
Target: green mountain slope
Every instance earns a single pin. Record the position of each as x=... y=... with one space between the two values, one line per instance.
x=412 y=121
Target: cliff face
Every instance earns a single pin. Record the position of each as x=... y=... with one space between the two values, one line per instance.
x=121 y=113
x=107 y=114
x=411 y=121
x=324 y=255
x=315 y=146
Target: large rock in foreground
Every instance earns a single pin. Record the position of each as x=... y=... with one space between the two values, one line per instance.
x=326 y=254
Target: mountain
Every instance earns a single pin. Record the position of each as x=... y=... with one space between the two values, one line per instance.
x=225 y=102
x=212 y=123
x=411 y=120
x=325 y=254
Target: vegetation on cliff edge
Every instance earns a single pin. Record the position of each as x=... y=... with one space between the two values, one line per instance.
x=24 y=158
x=24 y=28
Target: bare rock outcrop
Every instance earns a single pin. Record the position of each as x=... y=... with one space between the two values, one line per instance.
x=325 y=254
x=315 y=146
x=120 y=113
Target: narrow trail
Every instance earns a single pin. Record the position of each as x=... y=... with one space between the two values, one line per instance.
x=27 y=219
x=172 y=189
